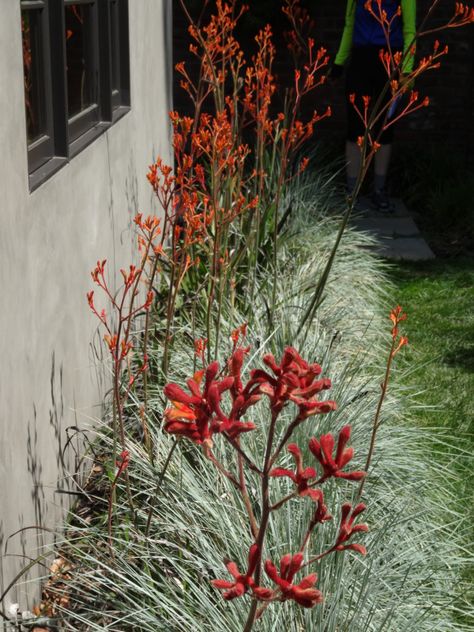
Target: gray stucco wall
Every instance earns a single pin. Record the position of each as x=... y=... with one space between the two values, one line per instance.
x=49 y=241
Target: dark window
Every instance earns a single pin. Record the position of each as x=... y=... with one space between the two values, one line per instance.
x=79 y=58
x=82 y=71
x=115 y=52
x=35 y=39
x=119 y=54
x=76 y=75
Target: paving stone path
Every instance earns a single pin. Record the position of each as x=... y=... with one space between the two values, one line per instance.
x=397 y=234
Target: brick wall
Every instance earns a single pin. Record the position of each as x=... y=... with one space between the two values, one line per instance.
x=449 y=119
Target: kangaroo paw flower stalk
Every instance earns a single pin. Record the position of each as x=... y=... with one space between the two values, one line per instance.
x=397 y=316
x=125 y=305
x=215 y=407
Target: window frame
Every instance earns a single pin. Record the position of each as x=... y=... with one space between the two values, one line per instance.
x=69 y=135
x=41 y=149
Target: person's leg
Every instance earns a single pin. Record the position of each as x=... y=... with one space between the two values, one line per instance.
x=358 y=84
x=353 y=163
x=380 y=197
x=381 y=166
x=382 y=157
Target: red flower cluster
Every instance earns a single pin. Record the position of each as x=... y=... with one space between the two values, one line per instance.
x=301 y=477
x=333 y=466
x=242 y=583
x=294 y=380
x=347 y=528
x=303 y=593
x=198 y=415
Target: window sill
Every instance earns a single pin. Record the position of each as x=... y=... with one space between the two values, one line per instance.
x=87 y=138
x=36 y=178
x=119 y=112
x=43 y=173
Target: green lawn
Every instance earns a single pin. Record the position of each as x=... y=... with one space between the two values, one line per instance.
x=438 y=297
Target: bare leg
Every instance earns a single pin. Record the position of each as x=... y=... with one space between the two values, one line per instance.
x=382 y=163
x=380 y=196
x=353 y=161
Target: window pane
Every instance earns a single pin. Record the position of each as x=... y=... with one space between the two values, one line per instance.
x=79 y=58
x=33 y=69
x=115 y=45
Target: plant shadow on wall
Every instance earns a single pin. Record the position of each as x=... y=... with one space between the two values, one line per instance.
x=30 y=539
x=235 y=472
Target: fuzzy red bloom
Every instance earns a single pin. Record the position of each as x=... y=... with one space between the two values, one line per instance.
x=294 y=380
x=191 y=414
x=397 y=316
x=321 y=514
x=235 y=365
x=301 y=477
x=199 y=415
x=303 y=593
x=241 y=583
x=231 y=425
x=333 y=466
x=200 y=346
x=347 y=528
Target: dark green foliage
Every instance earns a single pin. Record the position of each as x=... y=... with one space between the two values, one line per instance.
x=436 y=183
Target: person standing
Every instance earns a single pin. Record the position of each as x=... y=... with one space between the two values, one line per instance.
x=362 y=39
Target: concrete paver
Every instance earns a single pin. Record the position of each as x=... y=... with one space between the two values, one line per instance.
x=397 y=234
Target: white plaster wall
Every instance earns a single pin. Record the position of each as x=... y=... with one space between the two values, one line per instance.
x=49 y=241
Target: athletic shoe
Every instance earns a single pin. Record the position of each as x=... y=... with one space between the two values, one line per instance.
x=381 y=201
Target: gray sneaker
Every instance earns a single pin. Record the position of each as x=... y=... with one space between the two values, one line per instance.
x=381 y=201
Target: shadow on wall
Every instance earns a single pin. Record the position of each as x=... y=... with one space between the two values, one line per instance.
x=19 y=545
x=53 y=454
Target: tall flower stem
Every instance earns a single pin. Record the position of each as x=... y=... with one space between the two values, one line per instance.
x=266 y=510
x=246 y=498
x=394 y=348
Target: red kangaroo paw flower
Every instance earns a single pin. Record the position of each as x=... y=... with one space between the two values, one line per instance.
x=303 y=592
x=235 y=369
x=176 y=394
x=347 y=528
x=301 y=477
x=264 y=594
x=321 y=514
x=323 y=451
x=294 y=380
x=198 y=415
x=191 y=415
x=241 y=583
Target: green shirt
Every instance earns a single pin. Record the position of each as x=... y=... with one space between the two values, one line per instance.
x=409 y=31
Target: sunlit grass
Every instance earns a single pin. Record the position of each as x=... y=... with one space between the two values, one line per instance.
x=439 y=298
